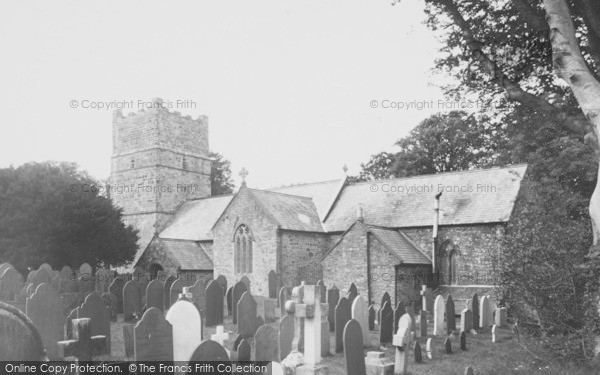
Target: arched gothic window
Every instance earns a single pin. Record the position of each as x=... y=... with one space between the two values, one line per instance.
x=243 y=250
x=448 y=262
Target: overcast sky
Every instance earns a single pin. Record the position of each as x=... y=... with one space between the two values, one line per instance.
x=287 y=85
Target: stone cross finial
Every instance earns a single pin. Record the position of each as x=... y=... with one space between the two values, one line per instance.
x=83 y=346
x=243 y=174
x=311 y=309
x=220 y=336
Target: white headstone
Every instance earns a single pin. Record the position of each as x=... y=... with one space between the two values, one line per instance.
x=360 y=313
x=187 y=329
x=439 y=309
x=485 y=313
x=220 y=335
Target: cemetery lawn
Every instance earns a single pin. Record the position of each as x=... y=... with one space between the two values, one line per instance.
x=487 y=358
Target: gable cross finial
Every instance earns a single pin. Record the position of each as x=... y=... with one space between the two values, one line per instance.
x=345 y=169
x=243 y=174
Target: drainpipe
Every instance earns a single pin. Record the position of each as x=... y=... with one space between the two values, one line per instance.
x=436 y=219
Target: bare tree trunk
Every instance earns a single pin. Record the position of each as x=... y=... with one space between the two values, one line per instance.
x=570 y=66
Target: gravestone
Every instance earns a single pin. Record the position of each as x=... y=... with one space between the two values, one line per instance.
x=325 y=338
x=198 y=291
x=439 y=310
x=286 y=336
x=237 y=341
x=463 y=341
x=214 y=304
x=427 y=299
x=284 y=295
x=270 y=306
x=475 y=309
x=128 y=340
x=246 y=281
x=417 y=352
x=353 y=348
x=41 y=276
x=19 y=339
x=333 y=297
x=69 y=323
x=360 y=313
x=386 y=324
x=210 y=350
x=85 y=269
x=238 y=289
x=485 y=316
x=246 y=315
x=429 y=349
x=352 y=293
x=11 y=282
x=4 y=267
x=398 y=312
x=45 y=310
x=422 y=323
x=110 y=301
x=31 y=275
x=167 y=291
x=229 y=298
x=244 y=351
x=222 y=282
x=494 y=338
x=155 y=295
x=385 y=298
x=450 y=315
x=466 y=320
x=377 y=364
x=308 y=307
x=116 y=288
x=272 y=284
x=500 y=318
x=321 y=285
x=275 y=368
x=187 y=329
x=265 y=343
x=176 y=290
x=83 y=346
x=448 y=346
x=66 y=273
x=402 y=341
x=220 y=336
x=372 y=316
x=469 y=371
x=94 y=308
x=153 y=337
x=131 y=301
x=342 y=316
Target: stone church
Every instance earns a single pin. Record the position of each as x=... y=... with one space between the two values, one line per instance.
x=379 y=235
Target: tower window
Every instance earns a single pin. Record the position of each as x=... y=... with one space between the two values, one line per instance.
x=132 y=163
x=184 y=163
x=242 y=256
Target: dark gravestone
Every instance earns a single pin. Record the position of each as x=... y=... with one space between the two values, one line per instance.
x=237 y=341
x=153 y=337
x=69 y=323
x=110 y=300
x=352 y=293
x=84 y=345
x=214 y=304
x=286 y=336
x=450 y=315
x=128 y=340
x=353 y=348
x=386 y=324
x=143 y=278
x=167 y=291
x=342 y=316
x=198 y=291
x=448 y=346
x=94 y=308
x=229 y=298
x=222 y=282
x=475 y=309
x=210 y=350
x=463 y=341
x=265 y=343
x=246 y=281
x=284 y=295
x=259 y=321
x=398 y=312
x=244 y=351
x=116 y=288
x=155 y=295
x=41 y=276
x=19 y=339
x=238 y=289
x=385 y=298
x=131 y=300
x=176 y=290
x=323 y=290
x=246 y=315
x=417 y=352
x=11 y=282
x=66 y=273
x=333 y=297
x=45 y=309
x=273 y=284
x=372 y=315
x=85 y=269
x=4 y=267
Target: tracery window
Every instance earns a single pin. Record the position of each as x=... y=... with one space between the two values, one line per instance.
x=243 y=250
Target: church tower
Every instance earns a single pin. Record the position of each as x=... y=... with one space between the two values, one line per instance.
x=160 y=159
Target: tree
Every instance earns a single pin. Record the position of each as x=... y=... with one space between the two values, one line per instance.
x=52 y=213
x=449 y=142
x=220 y=175
x=507 y=52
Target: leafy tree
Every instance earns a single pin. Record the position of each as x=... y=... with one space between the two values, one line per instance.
x=220 y=175
x=50 y=212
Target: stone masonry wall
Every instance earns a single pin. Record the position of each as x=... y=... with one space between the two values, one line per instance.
x=301 y=254
x=382 y=270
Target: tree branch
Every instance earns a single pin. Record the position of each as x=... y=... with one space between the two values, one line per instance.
x=534 y=18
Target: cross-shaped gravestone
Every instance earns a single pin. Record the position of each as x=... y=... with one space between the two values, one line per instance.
x=402 y=340
x=427 y=298
x=220 y=335
x=83 y=346
x=311 y=310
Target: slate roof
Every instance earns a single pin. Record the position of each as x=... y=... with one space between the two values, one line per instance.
x=194 y=219
x=414 y=207
x=323 y=194
x=291 y=212
x=189 y=254
x=401 y=245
